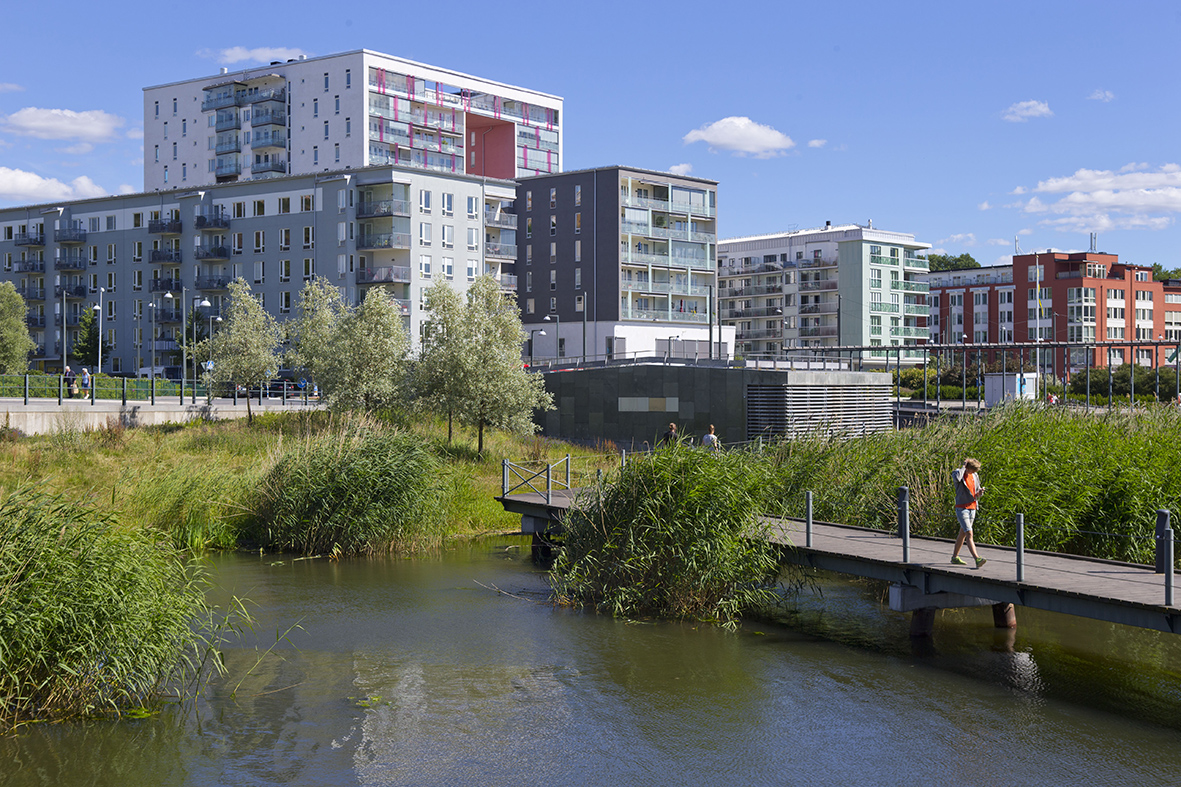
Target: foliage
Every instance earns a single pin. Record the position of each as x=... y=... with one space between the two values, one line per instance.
x=1161 y=273
x=360 y=488
x=87 y=347
x=366 y=361
x=499 y=391
x=443 y=373
x=15 y=344
x=669 y=535
x=311 y=333
x=245 y=348
x=1121 y=381
x=197 y=505
x=94 y=618
x=946 y=262
x=1072 y=474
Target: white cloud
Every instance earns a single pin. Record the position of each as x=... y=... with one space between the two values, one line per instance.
x=1100 y=94
x=126 y=188
x=240 y=54
x=93 y=125
x=135 y=133
x=10 y=87
x=817 y=143
x=1134 y=197
x=1018 y=190
x=743 y=136
x=984 y=205
x=681 y=169
x=18 y=185
x=81 y=149
x=936 y=250
x=997 y=242
x=1025 y=231
x=961 y=239
x=1024 y=110
x=1034 y=205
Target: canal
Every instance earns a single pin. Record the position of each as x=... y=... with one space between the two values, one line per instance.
x=454 y=669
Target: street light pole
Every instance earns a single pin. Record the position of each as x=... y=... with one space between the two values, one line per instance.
x=531 y=332
x=98 y=369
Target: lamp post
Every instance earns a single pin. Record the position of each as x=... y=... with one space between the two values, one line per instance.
x=964 y=375
x=152 y=351
x=557 y=332
x=531 y=332
x=99 y=367
x=209 y=367
x=184 y=351
x=204 y=304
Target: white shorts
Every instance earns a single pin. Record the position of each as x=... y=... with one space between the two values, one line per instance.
x=966 y=517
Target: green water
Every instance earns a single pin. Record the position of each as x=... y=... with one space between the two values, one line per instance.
x=419 y=672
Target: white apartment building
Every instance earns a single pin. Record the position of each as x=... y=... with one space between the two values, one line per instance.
x=152 y=258
x=844 y=285
x=345 y=111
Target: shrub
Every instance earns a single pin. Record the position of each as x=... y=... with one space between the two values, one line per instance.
x=670 y=535
x=362 y=488
x=94 y=618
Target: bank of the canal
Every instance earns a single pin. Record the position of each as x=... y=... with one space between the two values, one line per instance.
x=417 y=671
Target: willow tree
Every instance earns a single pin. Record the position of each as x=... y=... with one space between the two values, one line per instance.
x=365 y=362
x=15 y=344
x=498 y=391
x=443 y=371
x=319 y=312
x=246 y=347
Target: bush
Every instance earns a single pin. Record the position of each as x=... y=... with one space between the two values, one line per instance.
x=670 y=535
x=94 y=618
x=363 y=488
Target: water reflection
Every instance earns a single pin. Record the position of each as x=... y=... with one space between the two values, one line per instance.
x=416 y=672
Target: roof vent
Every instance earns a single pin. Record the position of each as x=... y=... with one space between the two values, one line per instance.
x=827 y=224
x=225 y=70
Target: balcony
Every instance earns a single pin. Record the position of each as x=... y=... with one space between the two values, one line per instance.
x=35 y=320
x=72 y=262
x=819 y=308
x=70 y=290
x=503 y=220
x=228 y=168
x=163 y=345
x=760 y=289
x=213 y=282
x=29 y=239
x=384 y=240
x=909 y=331
x=211 y=252
x=164 y=226
x=168 y=316
x=273 y=165
x=30 y=266
x=385 y=207
x=916 y=262
x=662 y=315
x=276 y=140
x=31 y=293
x=508 y=281
x=666 y=206
x=70 y=235
x=916 y=310
x=817 y=262
x=267 y=117
x=222 y=101
x=166 y=285
x=212 y=221
x=229 y=146
x=506 y=251
x=663 y=287
x=764 y=333
x=271 y=94
x=910 y=286
x=885 y=308
x=167 y=256
x=39 y=351
x=403 y=306
x=228 y=123
x=759 y=311
x=389 y=274
x=878 y=259
x=823 y=284
x=822 y=330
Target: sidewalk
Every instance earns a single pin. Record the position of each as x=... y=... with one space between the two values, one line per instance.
x=45 y=415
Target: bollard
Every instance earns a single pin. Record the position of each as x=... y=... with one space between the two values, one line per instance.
x=124 y=391
x=1168 y=567
x=1162 y=524
x=1021 y=547
x=808 y=518
x=904 y=521
x=503 y=477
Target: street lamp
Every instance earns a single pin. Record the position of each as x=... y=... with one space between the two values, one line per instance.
x=209 y=366
x=557 y=332
x=98 y=369
x=531 y=332
x=184 y=351
x=204 y=304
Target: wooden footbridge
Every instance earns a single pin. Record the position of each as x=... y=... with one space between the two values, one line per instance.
x=919 y=569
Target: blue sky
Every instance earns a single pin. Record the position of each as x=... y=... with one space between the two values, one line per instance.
x=966 y=124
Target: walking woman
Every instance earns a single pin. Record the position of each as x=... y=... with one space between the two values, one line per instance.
x=967 y=492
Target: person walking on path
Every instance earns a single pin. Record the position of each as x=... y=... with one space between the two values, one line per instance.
x=85 y=382
x=967 y=492
x=669 y=437
x=71 y=381
x=710 y=440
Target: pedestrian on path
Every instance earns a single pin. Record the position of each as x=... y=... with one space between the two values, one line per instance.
x=71 y=382
x=668 y=438
x=967 y=491
x=710 y=440
x=85 y=382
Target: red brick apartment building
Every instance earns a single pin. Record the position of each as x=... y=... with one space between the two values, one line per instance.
x=1057 y=297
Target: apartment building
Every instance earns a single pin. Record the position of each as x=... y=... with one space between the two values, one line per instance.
x=843 y=285
x=616 y=261
x=152 y=257
x=345 y=111
x=1086 y=297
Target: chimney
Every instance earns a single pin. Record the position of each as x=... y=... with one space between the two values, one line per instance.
x=828 y=225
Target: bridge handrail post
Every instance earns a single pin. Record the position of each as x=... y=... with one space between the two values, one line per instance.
x=1162 y=524
x=623 y=459
x=904 y=521
x=548 y=484
x=1021 y=547
x=61 y=382
x=26 y=388
x=808 y=518
x=504 y=477
x=567 y=471
x=1168 y=567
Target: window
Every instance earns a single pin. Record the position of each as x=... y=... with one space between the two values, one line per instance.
x=157 y=152
x=174 y=107
x=472 y=267
x=577 y=195
x=157 y=109
x=285 y=301
x=309 y=237
x=529 y=281
x=553 y=280
x=473 y=208
x=184 y=171
x=424 y=201
x=110 y=253
x=980 y=299
x=306 y=204
x=529 y=306
x=184 y=128
x=447 y=204
x=165 y=129
x=239 y=210
x=553 y=252
x=553 y=198
x=315 y=154
x=348 y=127
x=448 y=266
x=174 y=151
x=325 y=129
x=285 y=239
x=284 y=270
x=578 y=278
x=259 y=272
x=110 y=281
x=553 y=225
x=424 y=266
x=284 y=204
x=528 y=200
x=577 y=223
x=137 y=251
x=325 y=81
x=309 y=268
x=1037 y=273
x=529 y=254
x=337 y=101
x=875 y=277
x=579 y=303
x=473 y=238
x=553 y=307
x=336 y=151
x=578 y=251
x=1143 y=276
x=424 y=233
x=528 y=224
x=260 y=241
x=93 y=223
x=448 y=239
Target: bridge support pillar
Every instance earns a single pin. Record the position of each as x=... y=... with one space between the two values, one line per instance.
x=542 y=550
x=922 y=622
x=1004 y=616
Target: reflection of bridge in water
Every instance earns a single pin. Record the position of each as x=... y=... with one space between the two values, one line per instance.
x=1127 y=593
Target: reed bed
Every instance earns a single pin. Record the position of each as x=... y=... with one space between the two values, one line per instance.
x=95 y=618
x=668 y=536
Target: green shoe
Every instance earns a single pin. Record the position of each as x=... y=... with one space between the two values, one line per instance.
x=958 y=561
x=980 y=561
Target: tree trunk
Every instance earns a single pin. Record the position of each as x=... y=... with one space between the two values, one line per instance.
x=249 y=415
x=449 y=418
x=480 y=442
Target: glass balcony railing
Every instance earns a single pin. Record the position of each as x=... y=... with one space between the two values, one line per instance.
x=70 y=235
x=500 y=250
x=228 y=123
x=389 y=274
x=172 y=256
x=384 y=240
x=71 y=263
x=661 y=315
x=385 y=207
x=273 y=165
x=211 y=252
x=166 y=285
x=885 y=308
x=212 y=282
x=164 y=226
x=218 y=220
x=231 y=146
x=29 y=239
x=30 y=266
